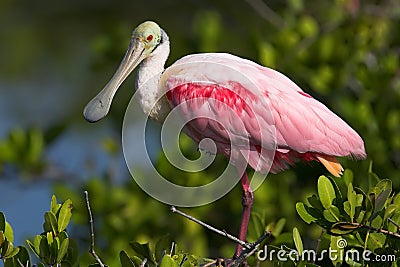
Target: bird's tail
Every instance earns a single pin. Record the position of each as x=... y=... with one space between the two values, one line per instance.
x=331 y=164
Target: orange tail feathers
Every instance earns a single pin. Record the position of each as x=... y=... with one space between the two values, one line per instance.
x=331 y=164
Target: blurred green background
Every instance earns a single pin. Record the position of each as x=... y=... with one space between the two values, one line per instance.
x=55 y=56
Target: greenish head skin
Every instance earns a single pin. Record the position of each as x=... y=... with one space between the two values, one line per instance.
x=145 y=38
x=149 y=33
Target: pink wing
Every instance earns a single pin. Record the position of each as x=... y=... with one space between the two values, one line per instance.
x=275 y=112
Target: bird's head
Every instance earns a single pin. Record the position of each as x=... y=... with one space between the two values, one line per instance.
x=145 y=38
x=147 y=34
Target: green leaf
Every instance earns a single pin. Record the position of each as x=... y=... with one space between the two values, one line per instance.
x=383 y=190
x=53 y=247
x=350 y=261
x=347 y=208
x=50 y=223
x=348 y=177
x=163 y=245
x=355 y=200
x=168 y=261
x=44 y=250
x=315 y=203
x=18 y=138
x=326 y=192
x=366 y=205
x=191 y=261
x=390 y=210
x=258 y=224
x=337 y=243
x=303 y=213
x=13 y=252
x=9 y=233
x=65 y=215
x=338 y=194
x=2 y=222
x=23 y=256
x=72 y=254
x=375 y=241
x=393 y=227
x=143 y=250
x=125 y=260
x=62 y=235
x=332 y=214
x=49 y=237
x=297 y=240
x=35 y=246
x=377 y=222
x=54 y=206
x=396 y=199
x=63 y=250
x=361 y=216
x=138 y=261
x=5 y=248
x=36 y=145
x=279 y=227
x=32 y=247
x=343 y=228
x=2 y=238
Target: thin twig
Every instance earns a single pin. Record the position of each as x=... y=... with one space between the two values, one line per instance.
x=378 y=230
x=172 y=248
x=223 y=233
x=319 y=242
x=184 y=258
x=143 y=262
x=98 y=260
x=208 y=264
x=20 y=263
x=395 y=224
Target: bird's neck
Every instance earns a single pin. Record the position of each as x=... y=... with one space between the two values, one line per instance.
x=151 y=97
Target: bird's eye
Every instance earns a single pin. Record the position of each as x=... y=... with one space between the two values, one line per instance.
x=149 y=38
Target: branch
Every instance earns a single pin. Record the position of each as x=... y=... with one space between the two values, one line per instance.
x=98 y=260
x=143 y=263
x=249 y=248
x=221 y=232
x=395 y=224
x=356 y=225
x=20 y=263
x=319 y=242
x=378 y=230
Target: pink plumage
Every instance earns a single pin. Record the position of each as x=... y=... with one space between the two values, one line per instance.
x=305 y=129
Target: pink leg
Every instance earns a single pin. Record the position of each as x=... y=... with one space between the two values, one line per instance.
x=247 y=202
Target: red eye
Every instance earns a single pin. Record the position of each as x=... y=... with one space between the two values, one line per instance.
x=149 y=38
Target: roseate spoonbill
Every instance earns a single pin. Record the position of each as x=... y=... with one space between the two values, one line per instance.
x=305 y=129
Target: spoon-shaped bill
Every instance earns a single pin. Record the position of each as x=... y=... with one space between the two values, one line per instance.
x=99 y=106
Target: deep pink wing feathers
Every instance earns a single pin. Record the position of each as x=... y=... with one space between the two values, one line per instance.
x=274 y=111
